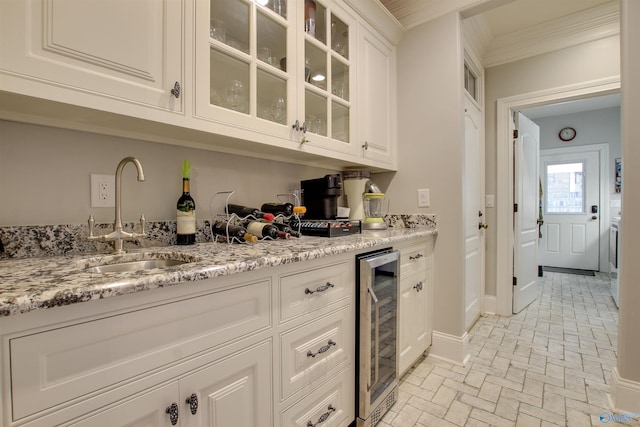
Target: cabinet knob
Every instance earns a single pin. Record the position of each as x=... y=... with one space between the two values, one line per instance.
x=176 y=90
x=418 y=287
x=323 y=417
x=173 y=413
x=415 y=257
x=193 y=403
x=365 y=145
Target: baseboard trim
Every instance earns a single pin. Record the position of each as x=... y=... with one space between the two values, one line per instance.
x=450 y=348
x=624 y=396
x=489 y=304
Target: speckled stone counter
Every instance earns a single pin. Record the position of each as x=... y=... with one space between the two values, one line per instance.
x=36 y=283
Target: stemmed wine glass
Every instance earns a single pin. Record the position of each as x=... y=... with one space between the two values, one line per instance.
x=279 y=109
x=234 y=94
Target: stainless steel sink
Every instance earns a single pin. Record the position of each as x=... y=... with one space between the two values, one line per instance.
x=134 y=263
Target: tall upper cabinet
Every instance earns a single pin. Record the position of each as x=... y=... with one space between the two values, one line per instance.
x=87 y=53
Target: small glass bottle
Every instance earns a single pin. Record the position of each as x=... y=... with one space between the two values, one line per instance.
x=310 y=17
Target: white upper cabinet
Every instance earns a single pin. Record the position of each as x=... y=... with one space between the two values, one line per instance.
x=376 y=97
x=89 y=53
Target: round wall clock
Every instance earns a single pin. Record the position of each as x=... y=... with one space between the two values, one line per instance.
x=567 y=134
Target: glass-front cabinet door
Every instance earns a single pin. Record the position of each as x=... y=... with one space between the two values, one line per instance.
x=281 y=68
x=242 y=48
x=328 y=75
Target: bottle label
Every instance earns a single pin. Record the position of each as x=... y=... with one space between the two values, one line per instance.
x=255 y=228
x=186 y=222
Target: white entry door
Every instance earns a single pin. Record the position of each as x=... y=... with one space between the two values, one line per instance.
x=571 y=230
x=473 y=216
x=525 y=217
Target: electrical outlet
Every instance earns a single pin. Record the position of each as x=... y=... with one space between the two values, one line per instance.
x=103 y=193
x=423 y=198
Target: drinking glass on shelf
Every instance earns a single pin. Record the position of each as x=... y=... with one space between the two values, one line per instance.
x=307 y=70
x=217 y=30
x=280 y=7
x=279 y=109
x=264 y=55
x=234 y=94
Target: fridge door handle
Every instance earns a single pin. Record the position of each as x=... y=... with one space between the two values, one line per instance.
x=376 y=373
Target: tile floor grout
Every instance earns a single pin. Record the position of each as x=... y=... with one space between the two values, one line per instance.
x=549 y=365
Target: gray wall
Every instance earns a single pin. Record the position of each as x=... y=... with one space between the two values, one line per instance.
x=45 y=176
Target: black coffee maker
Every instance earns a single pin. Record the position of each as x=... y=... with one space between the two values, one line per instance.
x=320 y=196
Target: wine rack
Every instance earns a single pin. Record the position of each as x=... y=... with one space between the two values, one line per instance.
x=218 y=209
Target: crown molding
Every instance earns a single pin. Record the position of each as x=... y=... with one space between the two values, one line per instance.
x=477 y=35
x=376 y=15
x=590 y=25
x=411 y=14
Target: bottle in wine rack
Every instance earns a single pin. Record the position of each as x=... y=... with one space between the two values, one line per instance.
x=186 y=211
x=285 y=228
x=222 y=228
x=244 y=211
x=266 y=229
x=286 y=209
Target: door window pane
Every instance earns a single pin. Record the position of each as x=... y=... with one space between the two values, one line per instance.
x=565 y=188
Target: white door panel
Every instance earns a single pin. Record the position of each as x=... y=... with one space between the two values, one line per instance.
x=526 y=187
x=473 y=195
x=571 y=232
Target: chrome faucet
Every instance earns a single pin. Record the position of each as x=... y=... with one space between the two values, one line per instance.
x=118 y=235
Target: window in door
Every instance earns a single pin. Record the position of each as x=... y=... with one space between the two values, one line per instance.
x=565 y=188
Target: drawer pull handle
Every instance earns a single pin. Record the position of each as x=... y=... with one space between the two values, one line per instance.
x=323 y=418
x=319 y=289
x=322 y=349
x=193 y=403
x=418 y=287
x=173 y=413
x=417 y=256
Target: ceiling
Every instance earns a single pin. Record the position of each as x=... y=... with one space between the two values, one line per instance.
x=510 y=16
x=504 y=17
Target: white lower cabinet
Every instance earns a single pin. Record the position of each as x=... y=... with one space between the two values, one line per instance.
x=263 y=348
x=415 y=302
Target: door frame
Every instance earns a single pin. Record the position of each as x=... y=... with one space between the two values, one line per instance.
x=603 y=185
x=504 y=168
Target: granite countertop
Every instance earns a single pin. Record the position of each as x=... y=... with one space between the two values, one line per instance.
x=36 y=283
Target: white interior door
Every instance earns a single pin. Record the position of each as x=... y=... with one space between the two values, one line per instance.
x=525 y=219
x=571 y=201
x=473 y=216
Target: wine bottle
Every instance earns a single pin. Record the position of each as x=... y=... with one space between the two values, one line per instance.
x=186 y=211
x=286 y=209
x=266 y=229
x=243 y=211
x=222 y=228
x=285 y=228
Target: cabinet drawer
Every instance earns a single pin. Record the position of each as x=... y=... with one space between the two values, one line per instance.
x=313 y=290
x=60 y=365
x=311 y=351
x=413 y=258
x=332 y=404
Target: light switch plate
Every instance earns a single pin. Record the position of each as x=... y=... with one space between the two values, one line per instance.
x=103 y=191
x=423 y=198
x=489 y=201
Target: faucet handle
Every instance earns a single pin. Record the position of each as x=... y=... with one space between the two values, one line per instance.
x=91 y=222
x=142 y=223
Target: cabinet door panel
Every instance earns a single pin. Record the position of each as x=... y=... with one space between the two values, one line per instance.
x=126 y=50
x=376 y=77
x=232 y=392
x=145 y=410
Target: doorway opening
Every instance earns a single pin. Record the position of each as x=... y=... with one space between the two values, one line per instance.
x=505 y=172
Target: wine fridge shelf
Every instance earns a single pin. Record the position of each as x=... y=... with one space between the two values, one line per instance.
x=222 y=198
